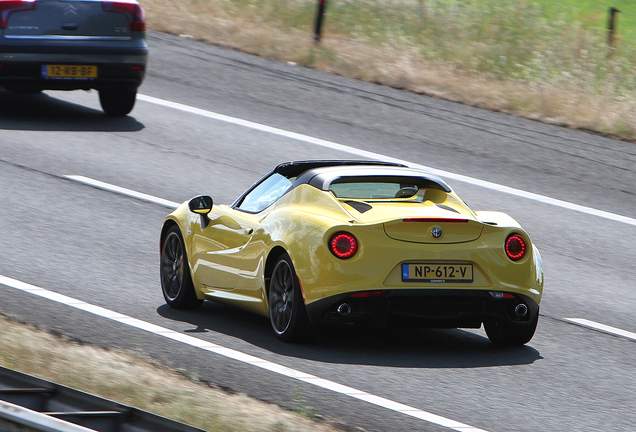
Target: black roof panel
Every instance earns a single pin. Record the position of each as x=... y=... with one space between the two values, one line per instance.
x=323 y=176
x=295 y=168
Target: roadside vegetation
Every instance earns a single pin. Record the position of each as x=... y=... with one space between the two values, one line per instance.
x=543 y=59
x=131 y=379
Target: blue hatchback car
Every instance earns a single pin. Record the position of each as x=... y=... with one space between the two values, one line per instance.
x=74 y=45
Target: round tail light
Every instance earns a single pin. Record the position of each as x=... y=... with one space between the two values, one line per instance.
x=343 y=245
x=515 y=247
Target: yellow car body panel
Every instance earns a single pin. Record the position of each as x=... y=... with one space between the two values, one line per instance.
x=302 y=222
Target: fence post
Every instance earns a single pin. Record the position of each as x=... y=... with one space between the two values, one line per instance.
x=322 y=5
x=611 y=26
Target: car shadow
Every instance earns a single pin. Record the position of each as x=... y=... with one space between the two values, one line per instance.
x=410 y=348
x=42 y=112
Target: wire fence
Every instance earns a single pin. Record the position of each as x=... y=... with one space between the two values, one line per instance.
x=542 y=41
x=413 y=15
x=624 y=24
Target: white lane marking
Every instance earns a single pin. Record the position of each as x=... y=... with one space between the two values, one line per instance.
x=120 y=190
x=237 y=355
x=602 y=328
x=377 y=156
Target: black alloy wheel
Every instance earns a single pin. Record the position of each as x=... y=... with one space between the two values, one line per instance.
x=176 y=281
x=287 y=312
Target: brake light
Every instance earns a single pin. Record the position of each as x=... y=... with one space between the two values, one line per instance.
x=7 y=7
x=131 y=9
x=343 y=245
x=515 y=247
x=435 y=220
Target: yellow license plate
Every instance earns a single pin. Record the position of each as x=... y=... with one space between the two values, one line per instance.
x=437 y=272
x=69 y=71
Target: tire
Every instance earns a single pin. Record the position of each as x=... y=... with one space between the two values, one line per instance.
x=506 y=333
x=176 y=281
x=117 y=101
x=287 y=312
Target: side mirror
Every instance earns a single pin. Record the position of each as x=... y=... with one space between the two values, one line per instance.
x=201 y=205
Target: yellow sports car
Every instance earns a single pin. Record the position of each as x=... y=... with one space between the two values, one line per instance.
x=334 y=242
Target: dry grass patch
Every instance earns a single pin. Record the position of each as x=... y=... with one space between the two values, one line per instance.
x=131 y=379
x=554 y=72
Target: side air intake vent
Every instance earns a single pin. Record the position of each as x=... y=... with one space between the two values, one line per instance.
x=445 y=207
x=360 y=206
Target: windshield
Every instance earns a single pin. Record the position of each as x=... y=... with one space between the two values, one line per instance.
x=266 y=193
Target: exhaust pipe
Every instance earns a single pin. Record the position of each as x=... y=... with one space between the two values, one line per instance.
x=521 y=310
x=344 y=309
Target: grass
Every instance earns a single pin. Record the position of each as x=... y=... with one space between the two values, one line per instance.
x=541 y=59
x=131 y=379
x=595 y=14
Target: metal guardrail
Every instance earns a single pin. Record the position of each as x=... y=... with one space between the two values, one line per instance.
x=14 y=418
x=30 y=404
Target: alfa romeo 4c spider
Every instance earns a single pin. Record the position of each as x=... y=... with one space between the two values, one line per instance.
x=336 y=242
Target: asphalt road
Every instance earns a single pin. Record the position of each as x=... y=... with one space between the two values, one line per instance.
x=102 y=247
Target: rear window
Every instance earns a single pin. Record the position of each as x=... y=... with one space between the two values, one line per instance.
x=371 y=190
x=381 y=188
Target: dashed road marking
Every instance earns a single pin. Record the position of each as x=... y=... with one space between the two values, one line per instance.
x=602 y=328
x=149 y=198
x=123 y=191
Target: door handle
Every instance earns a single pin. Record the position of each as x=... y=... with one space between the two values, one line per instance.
x=249 y=231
